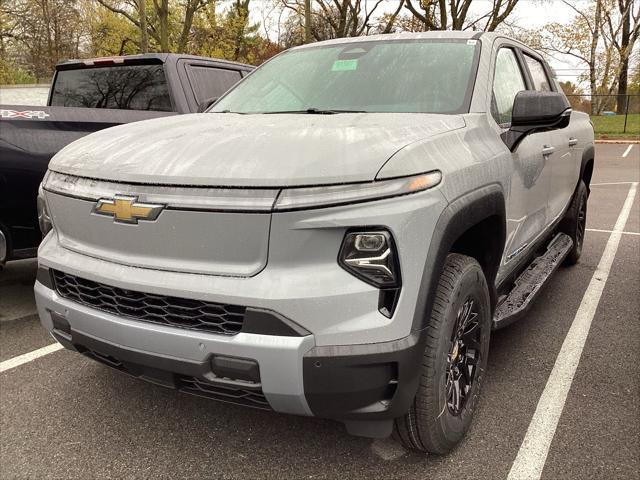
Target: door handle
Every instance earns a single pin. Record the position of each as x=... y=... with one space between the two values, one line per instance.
x=573 y=142
x=547 y=150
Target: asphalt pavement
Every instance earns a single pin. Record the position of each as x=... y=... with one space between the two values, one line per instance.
x=64 y=416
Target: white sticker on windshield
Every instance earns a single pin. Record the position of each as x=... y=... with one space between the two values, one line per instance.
x=472 y=42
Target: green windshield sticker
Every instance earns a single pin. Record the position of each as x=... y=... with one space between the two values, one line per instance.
x=344 y=65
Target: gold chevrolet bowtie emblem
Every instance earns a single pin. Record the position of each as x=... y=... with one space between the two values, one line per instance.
x=126 y=209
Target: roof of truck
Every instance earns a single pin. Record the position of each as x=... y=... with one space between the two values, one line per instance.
x=141 y=58
x=435 y=34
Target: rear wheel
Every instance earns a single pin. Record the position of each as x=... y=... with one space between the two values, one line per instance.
x=574 y=223
x=454 y=360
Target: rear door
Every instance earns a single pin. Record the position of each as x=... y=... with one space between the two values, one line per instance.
x=562 y=159
x=527 y=198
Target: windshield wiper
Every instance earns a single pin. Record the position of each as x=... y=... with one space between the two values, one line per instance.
x=318 y=111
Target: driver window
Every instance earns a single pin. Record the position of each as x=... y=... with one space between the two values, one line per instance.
x=507 y=82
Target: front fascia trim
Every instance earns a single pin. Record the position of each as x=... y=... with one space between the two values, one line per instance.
x=217 y=199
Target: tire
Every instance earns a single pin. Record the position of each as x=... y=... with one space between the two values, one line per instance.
x=574 y=223
x=433 y=423
x=8 y=245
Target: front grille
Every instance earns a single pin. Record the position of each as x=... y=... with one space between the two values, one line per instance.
x=147 y=307
x=232 y=394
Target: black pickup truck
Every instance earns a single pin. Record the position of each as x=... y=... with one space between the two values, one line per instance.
x=87 y=96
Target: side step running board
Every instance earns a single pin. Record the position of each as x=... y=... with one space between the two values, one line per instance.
x=530 y=282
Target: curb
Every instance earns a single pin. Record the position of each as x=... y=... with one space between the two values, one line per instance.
x=621 y=140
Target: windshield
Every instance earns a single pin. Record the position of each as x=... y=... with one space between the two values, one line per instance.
x=123 y=87
x=424 y=76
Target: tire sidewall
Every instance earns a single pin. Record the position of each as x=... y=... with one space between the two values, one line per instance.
x=570 y=223
x=7 y=236
x=471 y=283
x=582 y=200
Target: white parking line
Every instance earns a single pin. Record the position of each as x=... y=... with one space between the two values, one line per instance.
x=532 y=455
x=28 y=357
x=626 y=152
x=611 y=231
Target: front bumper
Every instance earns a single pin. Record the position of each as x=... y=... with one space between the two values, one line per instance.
x=365 y=386
x=178 y=351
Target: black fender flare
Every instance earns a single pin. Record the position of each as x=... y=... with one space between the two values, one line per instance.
x=588 y=155
x=458 y=217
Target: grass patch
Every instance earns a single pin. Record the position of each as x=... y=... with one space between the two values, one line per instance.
x=613 y=126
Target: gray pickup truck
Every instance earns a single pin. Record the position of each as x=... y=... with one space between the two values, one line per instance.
x=86 y=96
x=337 y=236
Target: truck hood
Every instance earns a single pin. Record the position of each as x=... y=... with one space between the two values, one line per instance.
x=277 y=150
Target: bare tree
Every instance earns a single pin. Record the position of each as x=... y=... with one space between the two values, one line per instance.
x=601 y=36
x=334 y=18
x=162 y=11
x=454 y=14
x=144 y=34
x=390 y=20
x=623 y=29
x=307 y=21
x=135 y=12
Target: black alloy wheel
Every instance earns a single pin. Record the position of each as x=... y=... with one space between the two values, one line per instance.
x=463 y=358
x=582 y=222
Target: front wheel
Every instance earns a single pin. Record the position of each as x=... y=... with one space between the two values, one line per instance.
x=454 y=360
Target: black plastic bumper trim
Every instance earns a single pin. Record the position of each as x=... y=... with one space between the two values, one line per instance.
x=44 y=276
x=375 y=381
x=267 y=322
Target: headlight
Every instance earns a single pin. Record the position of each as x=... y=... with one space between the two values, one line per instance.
x=44 y=219
x=315 y=197
x=371 y=256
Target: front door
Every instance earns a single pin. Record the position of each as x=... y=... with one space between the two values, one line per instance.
x=528 y=195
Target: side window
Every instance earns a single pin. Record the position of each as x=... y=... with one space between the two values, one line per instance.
x=209 y=82
x=507 y=82
x=538 y=75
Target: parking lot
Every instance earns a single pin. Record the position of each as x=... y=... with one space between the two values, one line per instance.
x=64 y=416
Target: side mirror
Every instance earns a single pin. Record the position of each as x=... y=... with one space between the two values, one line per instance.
x=203 y=105
x=534 y=112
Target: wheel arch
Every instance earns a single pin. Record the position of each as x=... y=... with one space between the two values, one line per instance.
x=474 y=225
x=586 y=166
